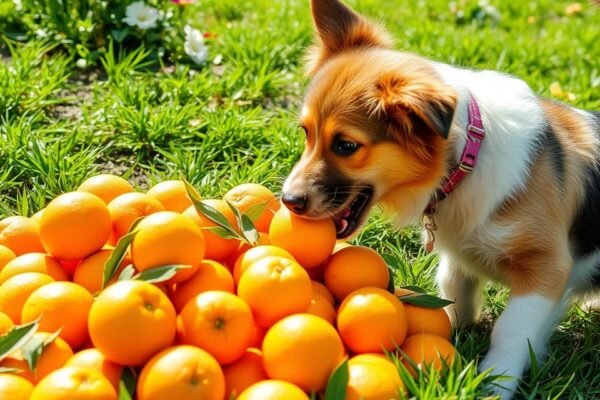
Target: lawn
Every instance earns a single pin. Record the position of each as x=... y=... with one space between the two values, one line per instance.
x=73 y=103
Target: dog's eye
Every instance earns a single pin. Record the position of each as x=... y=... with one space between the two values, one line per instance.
x=343 y=147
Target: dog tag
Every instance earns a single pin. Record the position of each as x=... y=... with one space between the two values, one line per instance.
x=430 y=227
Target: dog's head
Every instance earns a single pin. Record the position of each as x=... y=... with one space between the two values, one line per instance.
x=376 y=124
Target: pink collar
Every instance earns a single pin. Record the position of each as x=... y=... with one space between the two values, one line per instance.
x=468 y=161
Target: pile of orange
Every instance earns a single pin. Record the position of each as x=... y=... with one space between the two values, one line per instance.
x=270 y=318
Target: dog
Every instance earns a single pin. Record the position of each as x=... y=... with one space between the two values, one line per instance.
x=508 y=182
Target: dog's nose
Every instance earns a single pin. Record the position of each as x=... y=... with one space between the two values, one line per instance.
x=297 y=204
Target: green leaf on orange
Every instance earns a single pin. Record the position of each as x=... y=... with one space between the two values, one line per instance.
x=338 y=381
x=16 y=338
x=208 y=211
x=33 y=349
x=425 y=300
x=159 y=274
x=222 y=232
x=127 y=273
x=256 y=210
x=116 y=257
x=245 y=225
x=127 y=384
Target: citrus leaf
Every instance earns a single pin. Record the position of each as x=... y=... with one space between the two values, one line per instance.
x=425 y=300
x=221 y=232
x=245 y=225
x=391 y=285
x=249 y=230
x=127 y=384
x=8 y=370
x=127 y=273
x=416 y=289
x=159 y=274
x=33 y=349
x=338 y=381
x=208 y=211
x=16 y=338
x=116 y=257
x=256 y=210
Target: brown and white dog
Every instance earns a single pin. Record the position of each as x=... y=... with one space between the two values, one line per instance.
x=386 y=127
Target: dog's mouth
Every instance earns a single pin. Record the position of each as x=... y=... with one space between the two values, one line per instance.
x=351 y=216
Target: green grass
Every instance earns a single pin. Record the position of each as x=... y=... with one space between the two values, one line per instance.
x=235 y=121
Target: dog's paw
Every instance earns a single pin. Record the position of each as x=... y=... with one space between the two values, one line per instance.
x=506 y=385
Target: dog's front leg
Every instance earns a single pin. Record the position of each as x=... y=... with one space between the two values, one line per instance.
x=527 y=320
x=464 y=290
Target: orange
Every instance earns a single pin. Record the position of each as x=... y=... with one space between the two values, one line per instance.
x=273 y=390
x=6 y=255
x=302 y=349
x=258 y=336
x=321 y=307
x=53 y=357
x=217 y=248
x=172 y=195
x=254 y=254
x=130 y=321
x=244 y=372
x=373 y=378
x=427 y=350
x=21 y=235
x=371 y=320
x=127 y=208
x=34 y=262
x=353 y=268
x=247 y=195
x=60 y=305
x=275 y=287
x=181 y=372
x=317 y=237
x=427 y=320
x=317 y=273
x=166 y=238
x=263 y=240
x=13 y=387
x=106 y=186
x=210 y=276
x=75 y=225
x=74 y=383
x=94 y=359
x=90 y=273
x=37 y=217
x=15 y=291
x=218 y=322
x=6 y=324
x=321 y=289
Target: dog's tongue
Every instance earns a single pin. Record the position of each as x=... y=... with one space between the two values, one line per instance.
x=341 y=225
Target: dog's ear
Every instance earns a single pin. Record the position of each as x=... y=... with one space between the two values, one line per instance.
x=413 y=107
x=339 y=28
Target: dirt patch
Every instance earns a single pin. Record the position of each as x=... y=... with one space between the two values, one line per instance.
x=136 y=176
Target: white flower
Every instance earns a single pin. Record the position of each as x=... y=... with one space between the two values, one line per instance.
x=18 y=5
x=194 y=45
x=140 y=15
